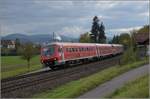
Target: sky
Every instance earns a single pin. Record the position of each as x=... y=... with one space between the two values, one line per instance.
x=69 y=17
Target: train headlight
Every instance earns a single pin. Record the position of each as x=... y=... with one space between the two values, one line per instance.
x=55 y=58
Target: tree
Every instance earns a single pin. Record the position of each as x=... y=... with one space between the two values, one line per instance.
x=115 y=39
x=85 y=38
x=98 y=31
x=28 y=53
x=133 y=41
x=144 y=29
x=95 y=29
x=102 y=37
x=125 y=39
x=17 y=45
x=130 y=53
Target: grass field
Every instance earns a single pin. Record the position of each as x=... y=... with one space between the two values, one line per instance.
x=78 y=87
x=136 y=89
x=15 y=65
x=16 y=60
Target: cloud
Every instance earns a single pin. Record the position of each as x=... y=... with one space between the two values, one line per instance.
x=118 y=31
x=69 y=17
x=73 y=31
x=144 y=14
x=106 y=5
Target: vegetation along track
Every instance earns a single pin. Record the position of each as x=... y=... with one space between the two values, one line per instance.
x=26 y=86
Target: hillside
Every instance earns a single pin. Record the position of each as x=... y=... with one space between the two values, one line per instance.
x=39 y=38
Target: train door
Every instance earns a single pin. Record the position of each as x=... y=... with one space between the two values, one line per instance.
x=61 y=53
x=97 y=51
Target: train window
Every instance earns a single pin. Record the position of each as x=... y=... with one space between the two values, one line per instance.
x=66 y=49
x=69 y=49
x=76 y=49
x=84 y=49
x=89 y=49
x=48 y=50
x=73 y=50
x=59 y=49
x=80 y=49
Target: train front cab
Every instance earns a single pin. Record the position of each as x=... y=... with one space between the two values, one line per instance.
x=51 y=56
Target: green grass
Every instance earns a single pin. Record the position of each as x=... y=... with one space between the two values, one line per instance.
x=8 y=61
x=78 y=87
x=15 y=65
x=136 y=89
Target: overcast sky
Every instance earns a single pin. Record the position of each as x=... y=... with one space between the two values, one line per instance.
x=70 y=18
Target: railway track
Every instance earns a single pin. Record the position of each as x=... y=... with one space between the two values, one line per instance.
x=28 y=85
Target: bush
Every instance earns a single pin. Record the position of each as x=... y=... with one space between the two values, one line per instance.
x=8 y=52
x=129 y=56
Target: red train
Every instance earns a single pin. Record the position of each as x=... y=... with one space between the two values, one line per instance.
x=59 y=53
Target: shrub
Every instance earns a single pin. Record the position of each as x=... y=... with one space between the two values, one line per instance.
x=129 y=56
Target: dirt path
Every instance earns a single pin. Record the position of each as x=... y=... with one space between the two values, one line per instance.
x=117 y=82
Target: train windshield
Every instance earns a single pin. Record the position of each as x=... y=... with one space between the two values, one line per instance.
x=48 y=50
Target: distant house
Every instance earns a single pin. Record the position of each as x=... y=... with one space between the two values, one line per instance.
x=142 y=38
x=142 y=41
x=7 y=44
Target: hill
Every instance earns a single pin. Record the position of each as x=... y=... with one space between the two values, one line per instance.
x=39 y=38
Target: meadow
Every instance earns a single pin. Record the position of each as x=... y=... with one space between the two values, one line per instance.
x=135 y=89
x=76 y=88
x=15 y=65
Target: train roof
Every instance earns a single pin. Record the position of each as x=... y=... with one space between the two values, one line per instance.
x=79 y=44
